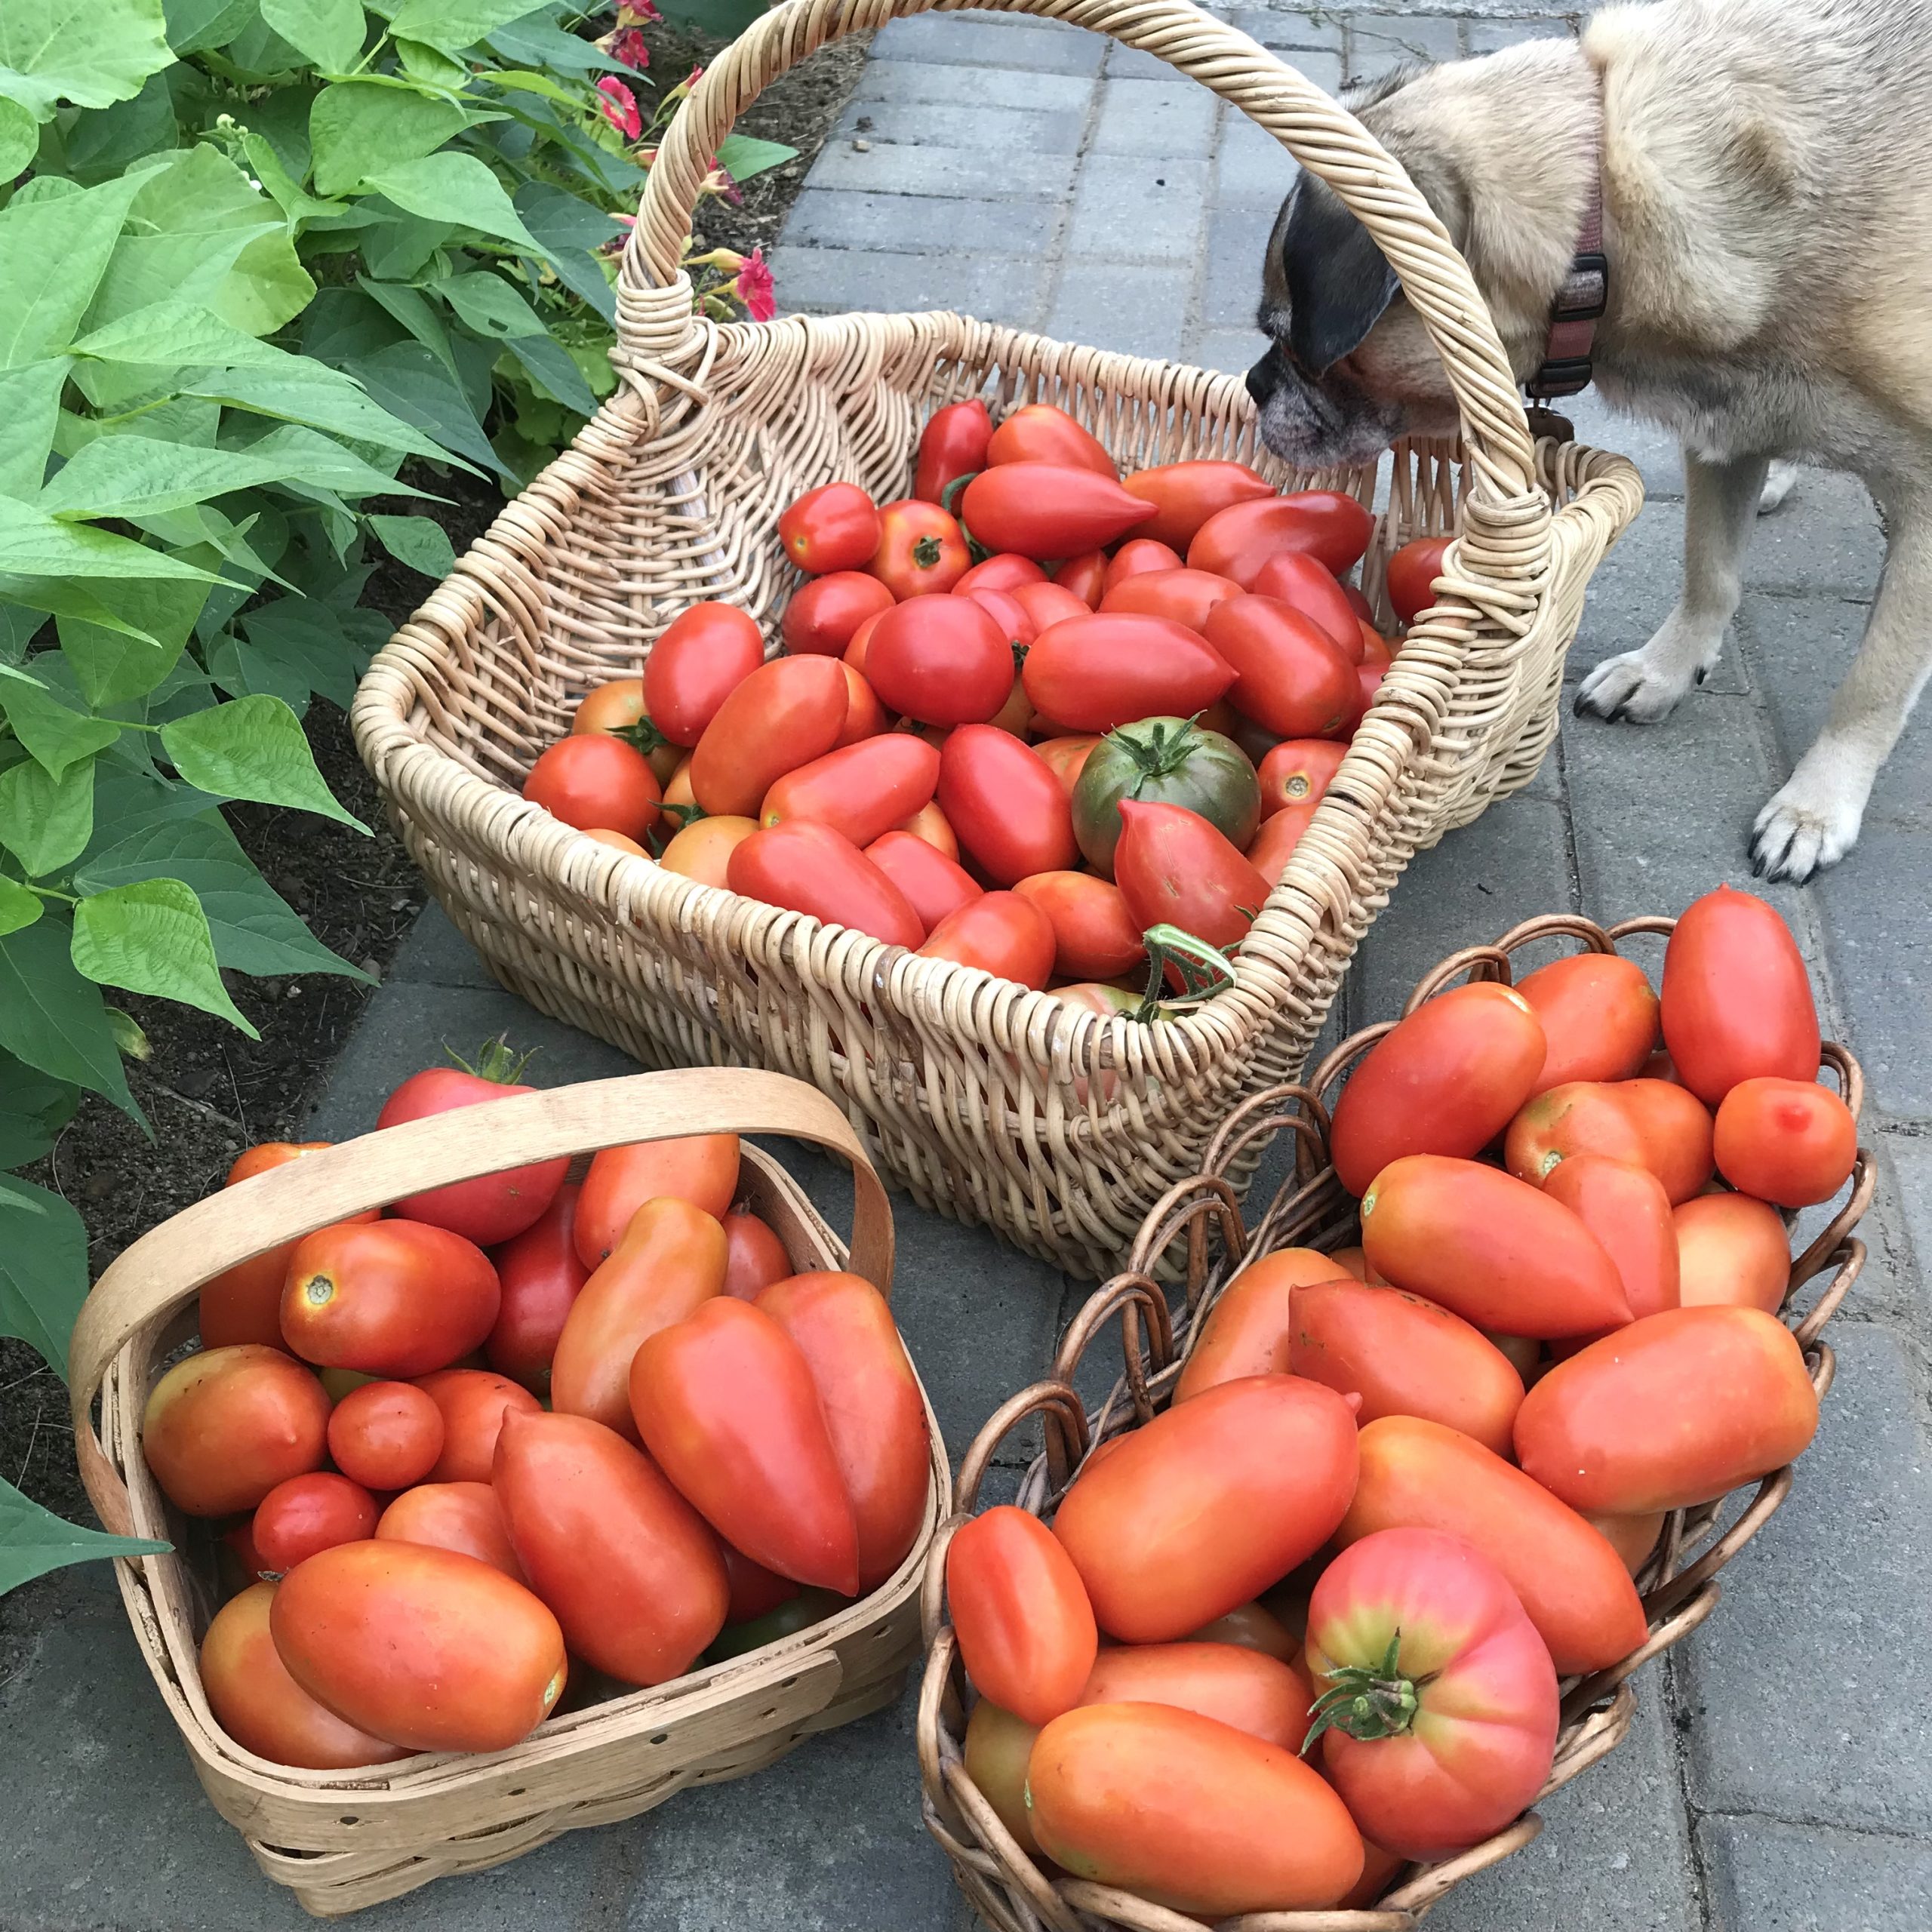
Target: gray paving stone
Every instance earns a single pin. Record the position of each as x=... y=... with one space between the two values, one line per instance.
x=974 y=41
x=993 y=87
x=1320 y=66
x=919 y=224
x=888 y=168
x=1160 y=118
x=1486 y=36
x=1771 y=1877
x=1138 y=311
x=1237 y=249
x=1379 y=42
x=1658 y=459
x=435 y=953
x=1633 y=590
x=1252 y=168
x=1023 y=132
x=1135 y=63
x=1130 y=206
x=1805 y=1691
x=831 y=280
x=1235 y=350
x=1280 y=29
x=1831 y=543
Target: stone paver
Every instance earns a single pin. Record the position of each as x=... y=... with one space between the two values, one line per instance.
x=1780 y=1777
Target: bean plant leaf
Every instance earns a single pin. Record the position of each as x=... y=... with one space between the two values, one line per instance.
x=329 y=31
x=46 y=822
x=171 y=331
x=33 y=1110
x=90 y=52
x=452 y=25
x=52 y=1019
x=356 y=126
x=34 y=1540
x=151 y=936
x=19 y=135
x=311 y=393
x=18 y=908
x=252 y=749
x=195 y=24
x=30 y=411
x=489 y=305
x=33 y=544
x=418 y=541
x=114 y=663
x=43 y=1269
x=52 y=733
x=406 y=378
x=53 y=251
x=455 y=188
x=533 y=39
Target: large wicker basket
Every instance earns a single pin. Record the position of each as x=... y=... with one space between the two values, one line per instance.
x=979 y=1096
x=342 y=1840
x=1201 y=1217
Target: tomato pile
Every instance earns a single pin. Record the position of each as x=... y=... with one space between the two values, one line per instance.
x=1308 y=1623
x=519 y=1434
x=1022 y=717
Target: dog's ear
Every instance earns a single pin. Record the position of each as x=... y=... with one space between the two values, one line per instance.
x=1339 y=283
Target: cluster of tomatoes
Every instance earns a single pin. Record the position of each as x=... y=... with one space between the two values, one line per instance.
x=1122 y=715
x=520 y=1434
x=1307 y=1625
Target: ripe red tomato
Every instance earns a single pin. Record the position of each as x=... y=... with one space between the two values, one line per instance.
x=1731 y=1251
x=1209 y=1504
x=1736 y=1002
x=1092 y=673
x=824 y=613
x=474 y=1402
x=1368 y=682
x=934 y=884
x=1037 y=432
x=1294 y=578
x=636 y=1577
x=929 y=824
x=1442 y=1725
x=223 y=1427
x=726 y=1405
x=704 y=654
x=1010 y=614
x=1006 y=571
x=392 y=1298
x=385 y=1435
x=1188 y=1813
x=1376 y=651
x=430 y=1649
x=1489 y=1247
x=1582 y=1117
x=1001 y=933
x=1004 y=803
x=1047 y=603
x=617 y=709
x=1413 y=570
x=922 y=551
x=754 y=1257
x=1181 y=596
x=1671 y=1411
x=756 y=1591
x=874 y=1410
x=860 y=647
x=493 y=1207
x=595 y=780
x=1185 y=495
x=1174 y=868
x=670 y=1259
x=1042 y=509
x=807 y=868
x=1141 y=556
x=1025 y=1629
x=466 y=1517
x=1236 y=542
x=953 y=444
x=1249 y=1331
x=785 y=714
x=1599 y=1014
x=1447 y=1080
x=1574 y=1586
x=863 y=791
x=1067 y=757
x=307 y=1513
x=834 y=527
x=700 y=1168
x=1167 y=762
x=1274 y=843
x=1289 y=675
x=1791 y=1142
x=256 y=1701
x=539 y=1275
x=1094 y=935
x=1266 y=1696
x=865 y=716
x=943 y=660
x=997 y=1745
x=1676 y=1129
x=1626 y=1207
x=1297 y=772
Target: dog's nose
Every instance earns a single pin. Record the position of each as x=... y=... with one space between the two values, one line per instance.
x=1263 y=379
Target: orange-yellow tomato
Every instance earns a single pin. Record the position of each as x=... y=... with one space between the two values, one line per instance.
x=223 y=1427
x=467 y=1516
x=997 y=1745
x=701 y=1168
x=1265 y=1697
x=1247 y=1333
x=703 y=849
x=1025 y=1629
x=1732 y=1250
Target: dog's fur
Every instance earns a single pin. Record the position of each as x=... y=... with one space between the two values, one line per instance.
x=1766 y=170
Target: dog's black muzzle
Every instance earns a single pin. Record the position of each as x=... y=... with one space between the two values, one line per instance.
x=1265 y=378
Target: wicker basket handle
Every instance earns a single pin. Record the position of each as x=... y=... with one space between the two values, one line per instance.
x=654 y=296
x=161 y=1271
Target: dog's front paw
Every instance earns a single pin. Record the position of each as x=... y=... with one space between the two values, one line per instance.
x=1779 y=483
x=1629 y=688
x=1806 y=827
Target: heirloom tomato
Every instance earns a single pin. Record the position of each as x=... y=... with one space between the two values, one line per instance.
x=725 y=1403
x=703 y=850
x=700 y=1168
x=307 y=1513
x=1298 y=771
x=669 y=1260
x=785 y=714
x=1188 y=1813
x=822 y=614
x=1289 y=675
x=705 y=653
x=1731 y=1251
x=1181 y=596
x=1791 y=1142
x=1438 y=1711
x=474 y=1402
x=1412 y=572
x=1093 y=673
x=1208 y=1503
x=595 y=781
x=1094 y=935
x=804 y=867
x=391 y=1298
x=863 y=791
x=1174 y=868
x=1333 y=529
x=834 y=528
x=755 y=1257
x=1677 y=1131
x=1140 y=556
x=1048 y=603
x=1294 y=578
x=1025 y=1629
x=1669 y=1412
x=1185 y=495
x=922 y=552
x=1045 y=510
x=1006 y=571
x=636 y=1579
x=1736 y=1003
x=256 y=1701
x=1574 y=1586
x=425 y=1647
x=1599 y=1014
x=953 y=444
x=1265 y=1697
x=1001 y=933
x=997 y=1745
x=1005 y=804
x=941 y=660
x=1037 y=432
x=385 y=1435
x=1169 y=761
x=1248 y=1331
x=1446 y=1080
x=466 y=1517
x=1493 y=1249
x=1626 y=1207
x=539 y=1273
x=934 y=885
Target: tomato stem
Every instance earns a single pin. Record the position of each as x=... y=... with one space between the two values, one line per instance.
x=496 y=1060
x=1368 y=1703
x=1203 y=970
x=643 y=735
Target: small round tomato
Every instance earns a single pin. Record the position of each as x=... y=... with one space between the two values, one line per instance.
x=754 y=1258
x=921 y=550
x=1289 y=675
x=824 y=613
x=1185 y=495
x=1294 y=578
x=307 y=1513
x=540 y=1275
x=1005 y=804
x=834 y=527
x=1093 y=673
x=1598 y=1015
x=1068 y=758
x=595 y=780
x=616 y=709
x=385 y=1435
x=803 y=867
x=1025 y=1629
x=1625 y=1206
x=1333 y=528
x=222 y=1427
x=1094 y=935
x=1413 y=570
x=1042 y=509
x=1174 y=869
x=863 y=791
x=1297 y=772
x=393 y=1298
x=703 y=850
x=953 y=444
x=1731 y=1251
x=1182 y=596
x=1001 y=933
x=704 y=654
x=1791 y=1142
x=1677 y=1132
x=1006 y=571
x=1141 y=556
x=1037 y=432
x=1168 y=761
x=700 y=1168
x=473 y=1403
x=941 y=660
x=935 y=885
x=785 y=714
x=465 y=1517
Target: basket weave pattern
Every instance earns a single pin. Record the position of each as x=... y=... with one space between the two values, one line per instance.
x=986 y=1100
x=1201 y=1217
x=343 y=1840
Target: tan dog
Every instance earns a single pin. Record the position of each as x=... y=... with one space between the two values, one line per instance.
x=1767 y=178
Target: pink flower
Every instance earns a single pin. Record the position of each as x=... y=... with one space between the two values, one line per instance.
x=718 y=182
x=755 y=289
x=619 y=107
x=636 y=13
x=628 y=47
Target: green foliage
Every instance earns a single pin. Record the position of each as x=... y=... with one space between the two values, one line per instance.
x=255 y=257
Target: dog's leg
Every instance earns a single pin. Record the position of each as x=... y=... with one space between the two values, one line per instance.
x=1720 y=504
x=1777 y=486
x=1814 y=821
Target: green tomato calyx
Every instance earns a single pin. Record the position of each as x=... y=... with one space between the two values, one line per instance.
x=1368 y=1703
